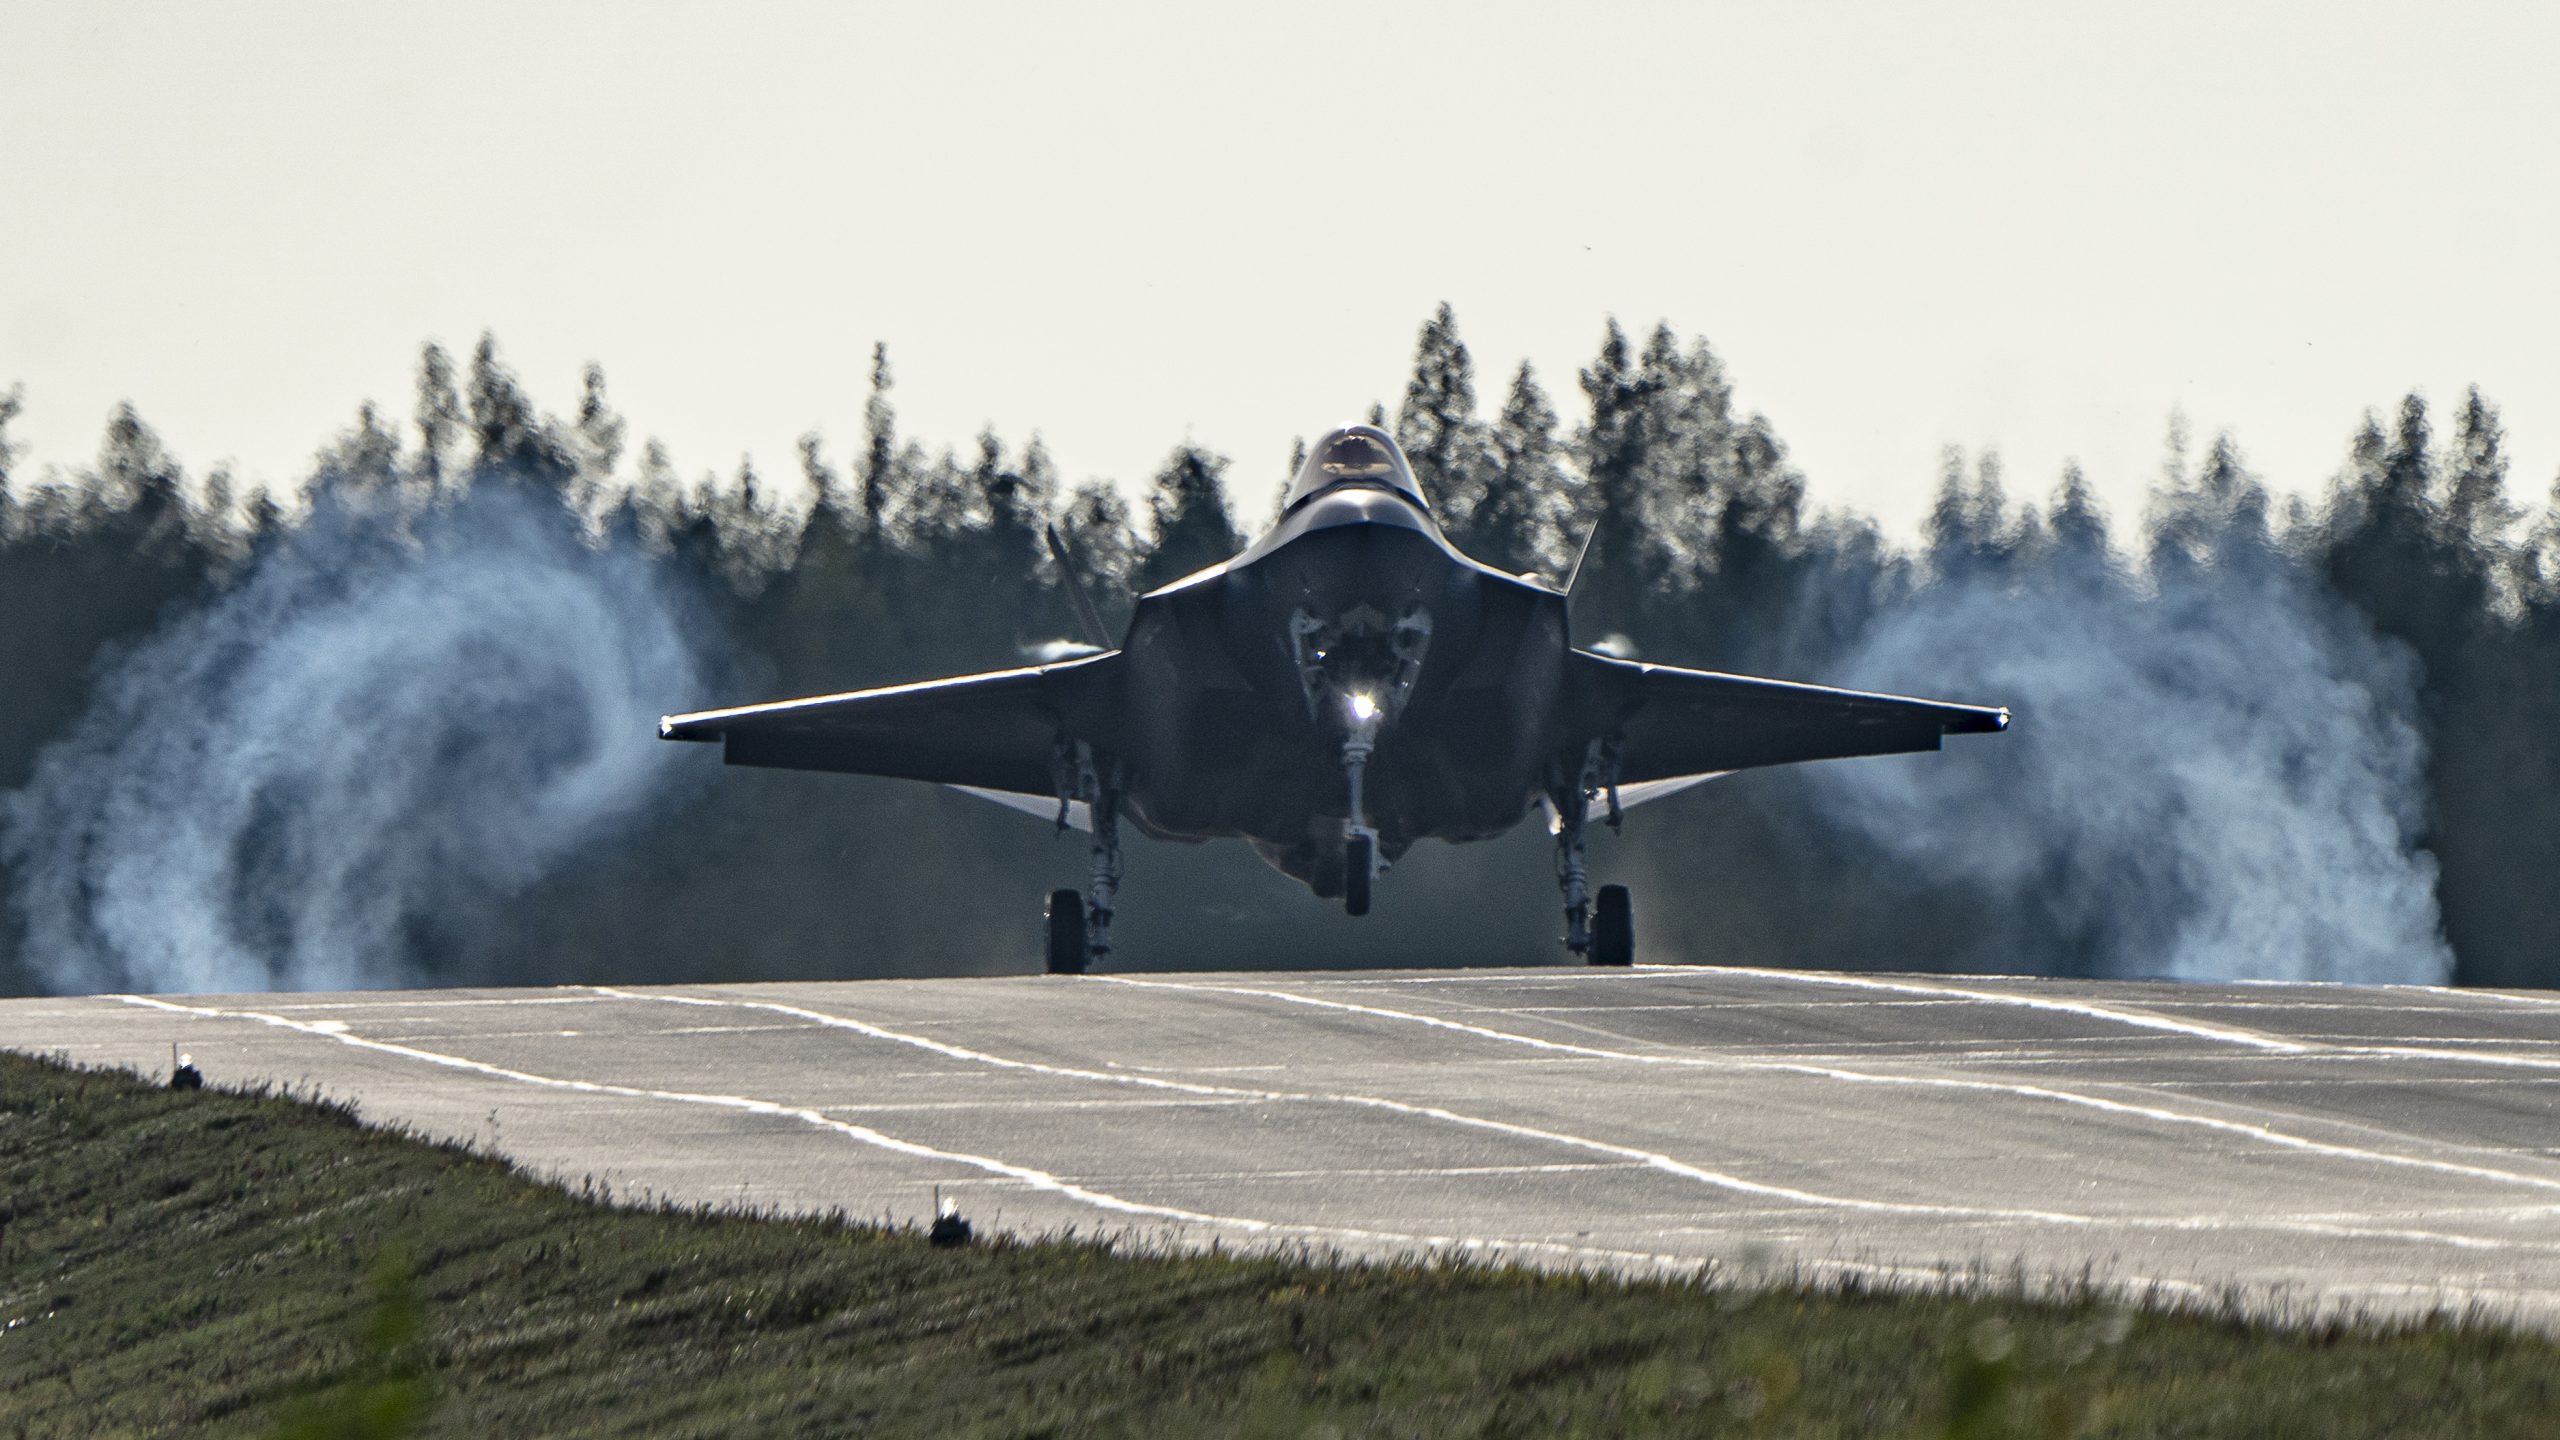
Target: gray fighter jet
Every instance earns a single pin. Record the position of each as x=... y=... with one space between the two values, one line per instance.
x=1347 y=685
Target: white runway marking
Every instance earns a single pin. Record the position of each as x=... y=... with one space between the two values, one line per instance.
x=1631 y=1155
x=1648 y=1158
x=1563 y=1129
x=1862 y=1077
x=2315 y=1047
x=2121 y=1015
x=1036 y=1179
x=1022 y=1174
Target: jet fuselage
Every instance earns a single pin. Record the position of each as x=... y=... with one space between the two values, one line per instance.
x=1352 y=613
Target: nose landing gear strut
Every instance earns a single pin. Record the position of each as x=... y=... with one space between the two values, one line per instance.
x=1359 y=837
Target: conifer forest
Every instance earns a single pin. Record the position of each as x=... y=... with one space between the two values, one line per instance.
x=396 y=724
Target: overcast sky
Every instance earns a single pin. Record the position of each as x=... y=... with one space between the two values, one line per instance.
x=2036 y=227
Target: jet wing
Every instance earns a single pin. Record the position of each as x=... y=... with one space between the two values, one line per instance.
x=997 y=731
x=1672 y=723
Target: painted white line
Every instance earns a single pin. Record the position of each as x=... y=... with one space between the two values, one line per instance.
x=2530 y=999
x=1728 y=1007
x=338 y=1031
x=2147 y=1019
x=410 y=1000
x=1630 y=1155
x=2140 y=1019
x=1648 y=1158
x=1021 y=1174
x=1035 y=1179
x=1862 y=1077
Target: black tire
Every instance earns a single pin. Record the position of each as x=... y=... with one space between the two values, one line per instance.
x=1066 y=932
x=1356 y=866
x=1613 y=927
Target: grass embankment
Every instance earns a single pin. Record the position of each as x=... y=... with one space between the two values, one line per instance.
x=214 y=1263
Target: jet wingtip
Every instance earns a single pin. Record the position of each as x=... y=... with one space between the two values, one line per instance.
x=1988 y=721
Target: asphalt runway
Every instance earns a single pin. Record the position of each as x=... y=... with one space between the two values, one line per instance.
x=2297 y=1147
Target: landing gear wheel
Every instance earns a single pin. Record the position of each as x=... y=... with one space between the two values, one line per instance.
x=1066 y=932
x=1613 y=928
x=1357 y=864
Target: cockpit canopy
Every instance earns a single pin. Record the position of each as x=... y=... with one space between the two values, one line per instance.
x=1354 y=455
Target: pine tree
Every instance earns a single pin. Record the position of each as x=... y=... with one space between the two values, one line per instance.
x=2407 y=468
x=757 y=537
x=599 y=436
x=1692 y=469
x=826 y=484
x=880 y=446
x=12 y=401
x=219 y=528
x=933 y=503
x=439 y=418
x=1015 y=503
x=1749 y=581
x=1523 y=521
x=1971 y=534
x=652 y=509
x=2082 y=547
x=1437 y=426
x=1096 y=524
x=362 y=465
x=511 y=438
x=2389 y=550
x=2216 y=516
x=143 y=487
x=1042 y=493
x=1619 y=564
x=2540 y=566
x=113 y=547
x=2477 y=518
x=997 y=542
x=1189 y=506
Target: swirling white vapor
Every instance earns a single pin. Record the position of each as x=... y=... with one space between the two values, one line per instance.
x=365 y=743
x=2221 y=778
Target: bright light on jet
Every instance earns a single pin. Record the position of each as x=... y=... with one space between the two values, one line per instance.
x=1363 y=707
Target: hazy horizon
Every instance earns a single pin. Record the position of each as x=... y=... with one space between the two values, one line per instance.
x=1991 y=227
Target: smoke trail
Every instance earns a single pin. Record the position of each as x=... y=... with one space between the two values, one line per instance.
x=347 y=758
x=2219 y=780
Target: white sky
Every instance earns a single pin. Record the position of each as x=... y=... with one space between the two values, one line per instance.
x=2034 y=227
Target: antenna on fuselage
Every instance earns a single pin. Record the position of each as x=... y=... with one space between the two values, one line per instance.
x=1076 y=596
x=1575 y=574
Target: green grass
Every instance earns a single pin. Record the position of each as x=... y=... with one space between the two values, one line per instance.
x=231 y=1264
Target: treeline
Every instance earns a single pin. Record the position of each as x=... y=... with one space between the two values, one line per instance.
x=892 y=561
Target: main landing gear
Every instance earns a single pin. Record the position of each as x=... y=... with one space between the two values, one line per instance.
x=1069 y=951
x=1079 y=926
x=1604 y=934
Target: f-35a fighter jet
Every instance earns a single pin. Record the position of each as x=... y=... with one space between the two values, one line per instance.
x=1346 y=686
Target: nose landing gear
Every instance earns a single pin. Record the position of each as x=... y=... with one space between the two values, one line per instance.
x=1359 y=838
x=1359 y=867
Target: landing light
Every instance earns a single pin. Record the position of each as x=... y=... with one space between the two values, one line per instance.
x=1363 y=707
